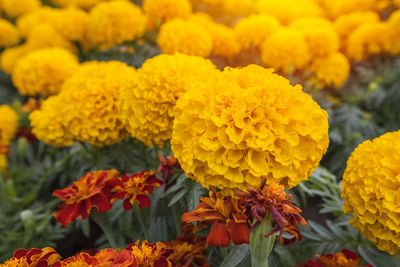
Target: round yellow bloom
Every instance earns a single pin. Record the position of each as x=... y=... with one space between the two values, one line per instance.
x=334 y=9
x=115 y=22
x=148 y=101
x=10 y=57
x=41 y=15
x=84 y=4
x=347 y=23
x=371 y=190
x=16 y=8
x=186 y=37
x=392 y=44
x=255 y=29
x=319 y=34
x=331 y=70
x=9 y=35
x=48 y=123
x=72 y=23
x=43 y=71
x=46 y=36
x=235 y=129
x=9 y=123
x=160 y=11
x=285 y=50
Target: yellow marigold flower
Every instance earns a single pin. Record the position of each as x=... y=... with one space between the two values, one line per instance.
x=48 y=123
x=160 y=11
x=115 y=22
x=186 y=37
x=253 y=30
x=319 y=34
x=331 y=70
x=9 y=35
x=9 y=123
x=347 y=23
x=371 y=190
x=392 y=44
x=41 y=15
x=3 y=163
x=148 y=101
x=42 y=72
x=238 y=128
x=10 y=56
x=288 y=10
x=334 y=9
x=72 y=23
x=285 y=50
x=84 y=4
x=46 y=36
x=368 y=39
x=16 y=8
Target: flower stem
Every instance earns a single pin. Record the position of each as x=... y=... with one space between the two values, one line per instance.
x=104 y=224
x=260 y=246
x=138 y=215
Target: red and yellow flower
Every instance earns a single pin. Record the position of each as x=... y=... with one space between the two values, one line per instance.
x=168 y=166
x=89 y=191
x=33 y=257
x=344 y=258
x=227 y=216
x=104 y=258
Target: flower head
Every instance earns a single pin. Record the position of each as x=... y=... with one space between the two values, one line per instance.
x=79 y=198
x=41 y=15
x=240 y=127
x=9 y=123
x=168 y=166
x=160 y=11
x=115 y=22
x=11 y=55
x=371 y=190
x=16 y=8
x=177 y=35
x=72 y=23
x=9 y=35
x=42 y=72
x=147 y=102
x=33 y=257
x=134 y=188
x=84 y=4
x=227 y=216
x=344 y=258
x=145 y=254
x=83 y=259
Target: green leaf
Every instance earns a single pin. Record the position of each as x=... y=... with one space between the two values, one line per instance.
x=178 y=196
x=235 y=255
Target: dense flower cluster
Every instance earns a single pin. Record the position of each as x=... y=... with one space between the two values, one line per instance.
x=247 y=125
x=370 y=188
x=9 y=123
x=100 y=189
x=148 y=100
x=160 y=11
x=43 y=71
x=344 y=258
x=92 y=113
x=16 y=8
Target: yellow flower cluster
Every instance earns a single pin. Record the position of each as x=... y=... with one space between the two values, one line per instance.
x=239 y=127
x=160 y=11
x=371 y=190
x=43 y=71
x=9 y=123
x=86 y=109
x=147 y=102
x=16 y=8
x=9 y=35
x=84 y=4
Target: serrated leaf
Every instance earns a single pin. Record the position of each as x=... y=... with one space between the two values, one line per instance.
x=235 y=255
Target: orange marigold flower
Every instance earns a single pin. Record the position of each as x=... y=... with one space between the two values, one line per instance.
x=104 y=258
x=344 y=258
x=33 y=257
x=134 y=187
x=227 y=216
x=3 y=149
x=146 y=254
x=189 y=248
x=272 y=200
x=31 y=104
x=79 y=198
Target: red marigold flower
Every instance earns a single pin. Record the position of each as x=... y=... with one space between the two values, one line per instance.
x=104 y=258
x=168 y=166
x=89 y=191
x=189 y=248
x=344 y=258
x=273 y=200
x=27 y=133
x=33 y=257
x=227 y=216
x=146 y=254
x=134 y=187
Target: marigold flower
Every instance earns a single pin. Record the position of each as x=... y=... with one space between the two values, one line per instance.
x=227 y=216
x=344 y=258
x=342 y=7
x=178 y=35
x=84 y=4
x=72 y=23
x=247 y=125
x=160 y=11
x=42 y=72
x=33 y=257
x=253 y=30
x=83 y=259
x=41 y=15
x=11 y=55
x=16 y=8
x=79 y=198
x=9 y=123
x=46 y=36
x=371 y=190
x=31 y=104
x=115 y=22
x=134 y=188
x=392 y=44
x=331 y=70
x=285 y=50
x=189 y=248
x=168 y=166
x=147 y=102
x=9 y=35
x=145 y=254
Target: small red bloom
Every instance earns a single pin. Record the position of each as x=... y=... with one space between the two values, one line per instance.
x=134 y=187
x=27 y=133
x=34 y=257
x=79 y=198
x=168 y=166
x=344 y=258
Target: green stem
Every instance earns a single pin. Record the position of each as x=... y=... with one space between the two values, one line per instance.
x=260 y=246
x=104 y=224
x=177 y=219
x=139 y=217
